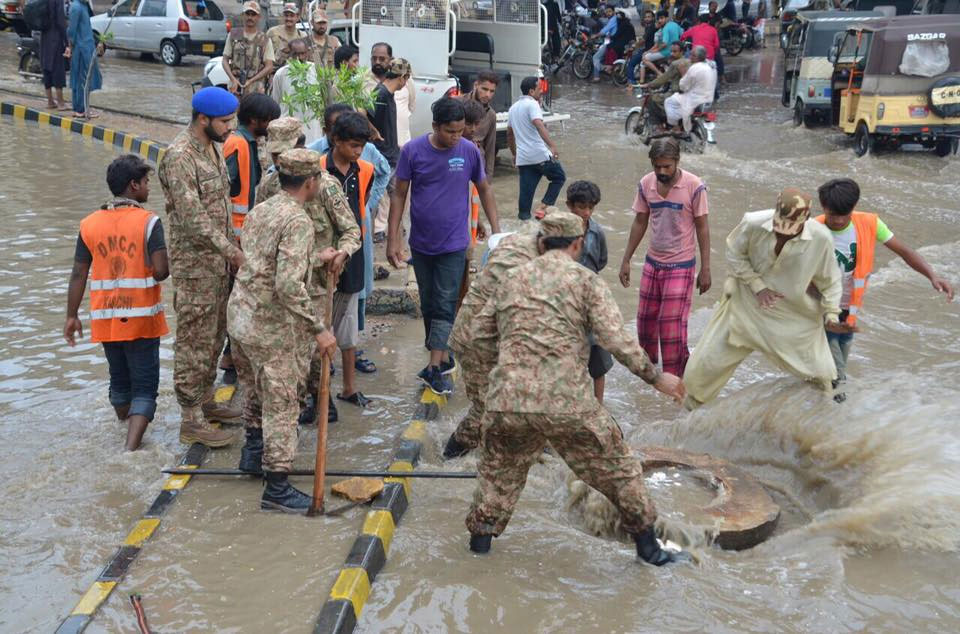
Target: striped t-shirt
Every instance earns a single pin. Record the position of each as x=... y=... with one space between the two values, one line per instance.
x=672 y=231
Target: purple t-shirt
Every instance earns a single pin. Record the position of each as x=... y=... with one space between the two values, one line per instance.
x=439 y=193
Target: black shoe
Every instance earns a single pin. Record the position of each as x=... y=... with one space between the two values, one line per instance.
x=839 y=397
x=480 y=543
x=230 y=376
x=251 y=455
x=279 y=495
x=439 y=383
x=308 y=414
x=332 y=414
x=649 y=550
x=454 y=449
x=447 y=367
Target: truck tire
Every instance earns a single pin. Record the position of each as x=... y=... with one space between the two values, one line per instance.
x=862 y=140
x=945 y=147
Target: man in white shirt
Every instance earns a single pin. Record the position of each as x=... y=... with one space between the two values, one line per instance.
x=282 y=86
x=697 y=87
x=533 y=149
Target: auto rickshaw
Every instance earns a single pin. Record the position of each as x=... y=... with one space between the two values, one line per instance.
x=806 y=69
x=897 y=81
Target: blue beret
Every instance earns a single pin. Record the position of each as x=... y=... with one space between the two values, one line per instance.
x=214 y=102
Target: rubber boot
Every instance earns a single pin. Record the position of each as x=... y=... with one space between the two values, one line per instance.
x=280 y=495
x=480 y=544
x=194 y=428
x=649 y=550
x=251 y=456
x=454 y=449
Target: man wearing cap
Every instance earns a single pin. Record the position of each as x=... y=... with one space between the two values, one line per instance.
x=322 y=44
x=285 y=133
x=540 y=318
x=248 y=55
x=201 y=248
x=282 y=34
x=270 y=308
x=783 y=286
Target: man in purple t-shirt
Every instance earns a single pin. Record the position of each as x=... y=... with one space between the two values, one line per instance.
x=437 y=170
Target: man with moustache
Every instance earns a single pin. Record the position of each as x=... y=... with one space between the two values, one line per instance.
x=322 y=44
x=248 y=54
x=485 y=132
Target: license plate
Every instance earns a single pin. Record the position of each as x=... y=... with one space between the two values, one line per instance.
x=207 y=48
x=918 y=112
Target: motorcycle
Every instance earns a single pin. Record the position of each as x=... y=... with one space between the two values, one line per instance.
x=575 y=39
x=703 y=122
x=28 y=50
x=734 y=37
x=583 y=59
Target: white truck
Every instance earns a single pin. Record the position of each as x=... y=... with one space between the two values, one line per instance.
x=447 y=44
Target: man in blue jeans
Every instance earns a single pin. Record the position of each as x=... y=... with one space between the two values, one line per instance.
x=533 y=149
x=437 y=170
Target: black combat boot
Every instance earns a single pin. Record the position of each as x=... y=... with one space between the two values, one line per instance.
x=454 y=449
x=649 y=550
x=251 y=456
x=279 y=495
x=308 y=415
x=480 y=544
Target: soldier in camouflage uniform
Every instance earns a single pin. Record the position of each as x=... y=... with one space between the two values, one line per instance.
x=269 y=308
x=284 y=133
x=513 y=250
x=248 y=55
x=282 y=34
x=201 y=246
x=540 y=390
x=322 y=44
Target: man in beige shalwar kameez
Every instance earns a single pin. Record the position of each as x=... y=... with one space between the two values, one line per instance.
x=782 y=287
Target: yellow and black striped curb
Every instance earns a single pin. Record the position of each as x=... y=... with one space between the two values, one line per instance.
x=98 y=592
x=370 y=550
x=149 y=150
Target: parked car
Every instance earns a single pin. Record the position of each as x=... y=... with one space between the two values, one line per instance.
x=168 y=28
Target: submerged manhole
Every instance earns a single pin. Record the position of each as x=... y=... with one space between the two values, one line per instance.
x=725 y=495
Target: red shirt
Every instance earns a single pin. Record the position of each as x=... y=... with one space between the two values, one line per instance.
x=703 y=35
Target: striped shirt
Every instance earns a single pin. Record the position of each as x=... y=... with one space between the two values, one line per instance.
x=672 y=230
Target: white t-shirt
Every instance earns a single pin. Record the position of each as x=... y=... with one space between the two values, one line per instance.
x=845 y=248
x=531 y=150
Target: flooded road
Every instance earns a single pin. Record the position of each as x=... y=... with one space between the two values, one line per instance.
x=871 y=507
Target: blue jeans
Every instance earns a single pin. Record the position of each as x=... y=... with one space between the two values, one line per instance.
x=438 y=280
x=840 y=350
x=598 y=60
x=530 y=176
x=134 y=374
x=635 y=60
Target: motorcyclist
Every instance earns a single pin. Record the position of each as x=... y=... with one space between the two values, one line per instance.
x=698 y=86
x=671 y=78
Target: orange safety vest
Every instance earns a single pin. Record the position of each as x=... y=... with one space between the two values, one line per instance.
x=124 y=296
x=365 y=178
x=235 y=143
x=474 y=213
x=865 y=224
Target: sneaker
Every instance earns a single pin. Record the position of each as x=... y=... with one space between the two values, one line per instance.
x=437 y=382
x=424 y=375
x=447 y=367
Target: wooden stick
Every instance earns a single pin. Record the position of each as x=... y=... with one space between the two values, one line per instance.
x=333 y=473
x=323 y=407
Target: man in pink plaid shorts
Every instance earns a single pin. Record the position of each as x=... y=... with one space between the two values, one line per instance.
x=673 y=202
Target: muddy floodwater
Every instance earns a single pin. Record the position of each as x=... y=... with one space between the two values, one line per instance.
x=869 y=490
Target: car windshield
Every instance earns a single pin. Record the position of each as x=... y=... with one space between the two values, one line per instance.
x=201 y=10
x=850 y=46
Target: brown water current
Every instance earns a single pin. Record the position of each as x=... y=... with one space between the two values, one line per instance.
x=869 y=490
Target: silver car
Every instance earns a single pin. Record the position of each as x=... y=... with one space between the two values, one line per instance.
x=168 y=28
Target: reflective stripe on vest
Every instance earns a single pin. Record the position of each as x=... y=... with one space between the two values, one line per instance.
x=865 y=225
x=474 y=213
x=124 y=296
x=235 y=143
x=365 y=177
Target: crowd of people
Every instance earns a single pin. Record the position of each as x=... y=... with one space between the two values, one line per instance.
x=256 y=253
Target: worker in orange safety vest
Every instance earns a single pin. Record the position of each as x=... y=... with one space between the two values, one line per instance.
x=122 y=249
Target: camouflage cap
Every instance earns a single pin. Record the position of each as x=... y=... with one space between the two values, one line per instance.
x=282 y=134
x=561 y=224
x=399 y=67
x=793 y=209
x=319 y=15
x=252 y=7
x=290 y=7
x=299 y=162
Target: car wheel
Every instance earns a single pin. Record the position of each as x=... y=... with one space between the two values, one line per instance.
x=785 y=96
x=169 y=53
x=583 y=65
x=798 y=113
x=862 y=140
x=945 y=147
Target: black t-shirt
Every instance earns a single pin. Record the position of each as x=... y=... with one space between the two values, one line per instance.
x=384 y=119
x=351 y=280
x=154 y=243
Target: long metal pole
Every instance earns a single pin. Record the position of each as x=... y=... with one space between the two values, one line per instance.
x=456 y=475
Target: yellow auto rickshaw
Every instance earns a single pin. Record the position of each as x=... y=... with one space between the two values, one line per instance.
x=897 y=81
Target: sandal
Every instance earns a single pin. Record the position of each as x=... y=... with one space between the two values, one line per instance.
x=365 y=365
x=357 y=398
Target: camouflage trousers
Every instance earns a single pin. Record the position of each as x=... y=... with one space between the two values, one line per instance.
x=269 y=378
x=592 y=446
x=475 y=381
x=313 y=361
x=201 y=307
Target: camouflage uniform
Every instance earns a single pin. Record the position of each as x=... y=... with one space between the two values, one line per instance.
x=512 y=251
x=247 y=57
x=322 y=54
x=282 y=134
x=197 y=191
x=540 y=390
x=269 y=308
x=281 y=42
